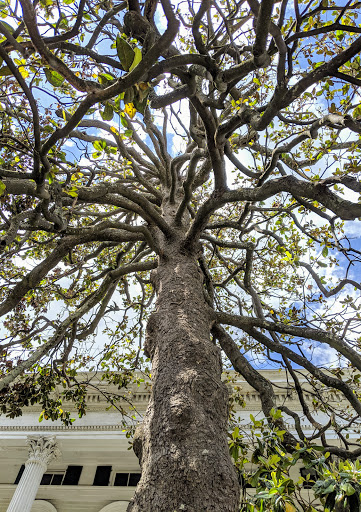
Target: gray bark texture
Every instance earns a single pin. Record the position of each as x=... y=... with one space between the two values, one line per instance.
x=182 y=444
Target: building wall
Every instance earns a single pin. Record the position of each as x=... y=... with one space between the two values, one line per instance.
x=96 y=440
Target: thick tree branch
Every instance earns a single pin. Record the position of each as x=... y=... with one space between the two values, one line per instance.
x=308 y=333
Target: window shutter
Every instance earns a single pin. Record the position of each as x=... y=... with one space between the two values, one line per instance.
x=102 y=475
x=21 y=471
x=72 y=475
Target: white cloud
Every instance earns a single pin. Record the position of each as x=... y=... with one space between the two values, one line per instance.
x=353 y=228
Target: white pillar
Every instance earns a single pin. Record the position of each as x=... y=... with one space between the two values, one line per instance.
x=41 y=451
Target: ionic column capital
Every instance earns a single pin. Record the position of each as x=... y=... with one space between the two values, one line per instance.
x=42 y=450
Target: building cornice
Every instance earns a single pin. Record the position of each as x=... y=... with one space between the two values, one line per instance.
x=57 y=428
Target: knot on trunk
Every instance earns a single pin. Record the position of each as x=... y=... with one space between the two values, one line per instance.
x=138 y=442
x=181 y=413
x=150 y=338
x=154 y=279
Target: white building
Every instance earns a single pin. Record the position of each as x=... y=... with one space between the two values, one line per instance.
x=87 y=467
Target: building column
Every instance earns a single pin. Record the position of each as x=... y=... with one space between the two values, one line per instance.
x=42 y=450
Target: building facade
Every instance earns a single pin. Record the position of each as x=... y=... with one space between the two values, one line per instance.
x=89 y=466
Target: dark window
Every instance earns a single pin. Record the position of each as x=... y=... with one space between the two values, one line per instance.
x=53 y=478
x=21 y=471
x=121 y=479
x=46 y=479
x=57 y=479
x=311 y=479
x=134 y=479
x=69 y=477
x=102 y=475
x=125 y=479
x=72 y=475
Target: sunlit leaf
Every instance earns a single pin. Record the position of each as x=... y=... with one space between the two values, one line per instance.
x=123 y=121
x=130 y=110
x=54 y=78
x=107 y=113
x=125 y=53
x=24 y=72
x=99 y=145
x=105 y=78
x=72 y=192
x=114 y=130
x=137 y=58
x=7 y=26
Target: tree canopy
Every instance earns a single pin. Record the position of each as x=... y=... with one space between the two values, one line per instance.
x=218 y=139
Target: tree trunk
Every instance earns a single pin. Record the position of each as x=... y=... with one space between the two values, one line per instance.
x=182 y=444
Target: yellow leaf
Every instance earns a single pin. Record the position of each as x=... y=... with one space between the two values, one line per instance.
x=24 y=72
x=307 y=170
x=130 y=110
x=114 y=130
x=289 y=508
x=143 y=86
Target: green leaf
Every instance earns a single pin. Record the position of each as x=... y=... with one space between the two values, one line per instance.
x=274 y=459
x=347 y=488
x=7 y=26
x=123 y=121
x=340 y=34
x=325 y=252
x=318 y=64
x=140 y=105
x=50 y=177
x=321 y=264
x=5 y=71
x=330 y=488
x=54 y=78
x=125 y=53
x=107 y=113
x=73 y=192
x=105 y=78
x=99 y=145
x=235 y=433
x=128 y=133
x=137 y=58
x=2 y=188
x=288 y=256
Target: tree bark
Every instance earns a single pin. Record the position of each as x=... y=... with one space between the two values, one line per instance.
x=182 y=444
